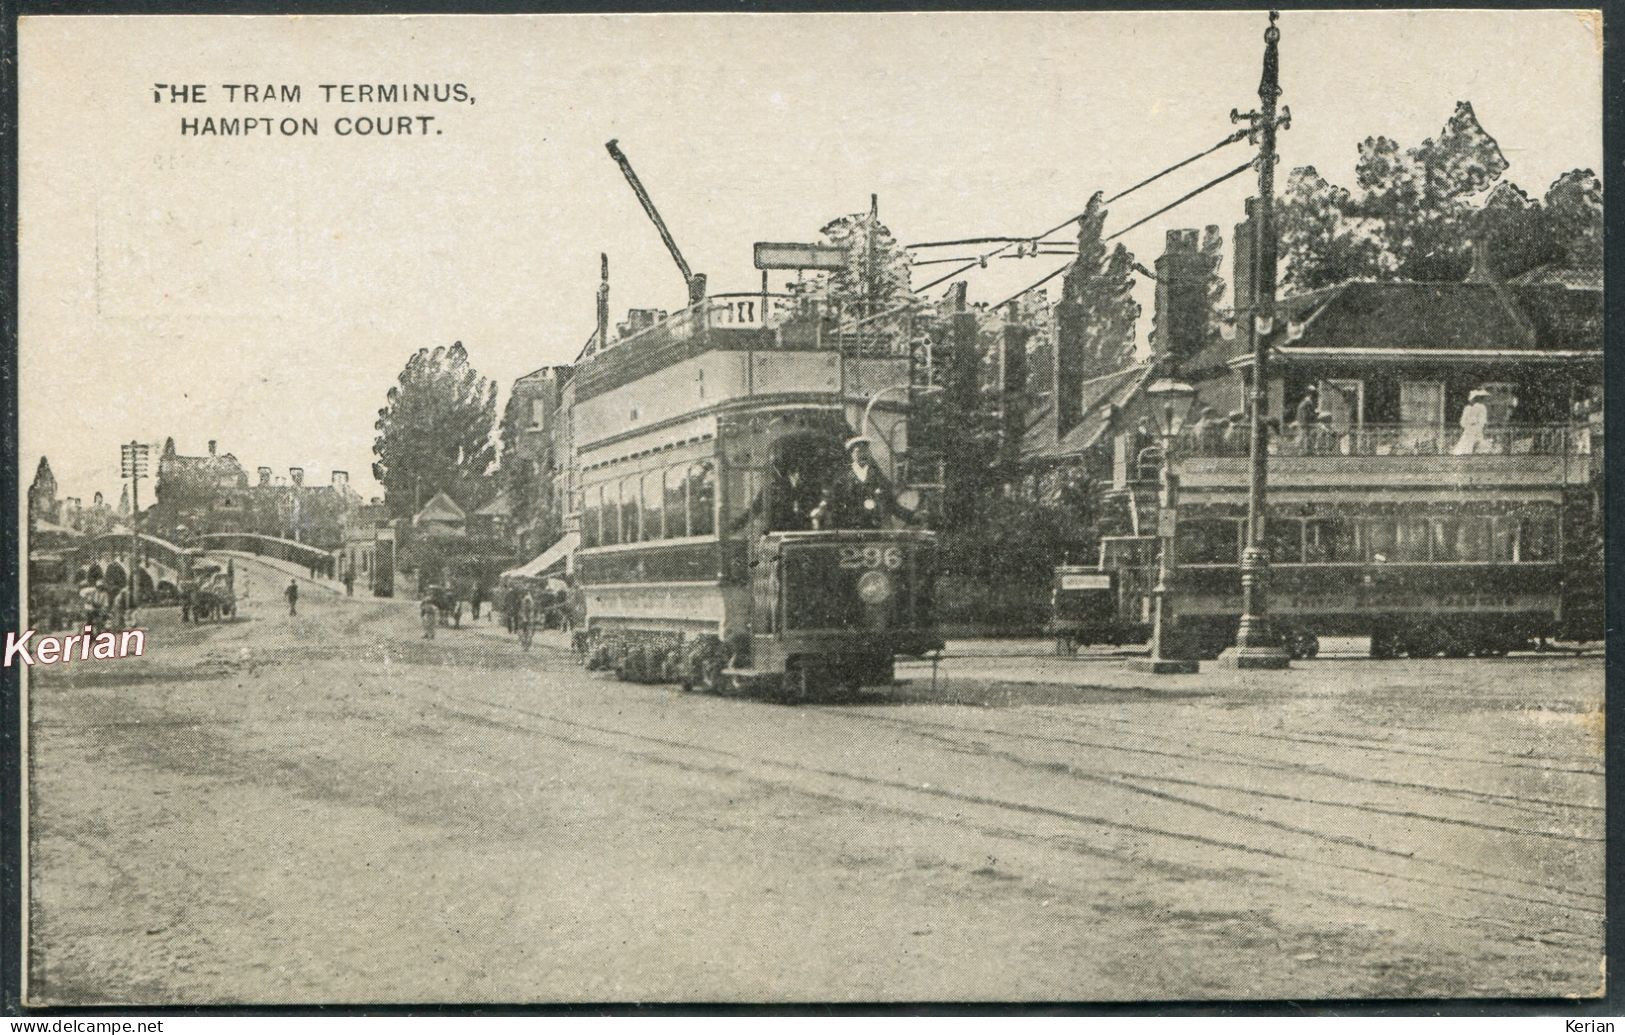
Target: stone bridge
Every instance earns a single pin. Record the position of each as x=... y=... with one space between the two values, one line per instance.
x=302 y=554
x=159 y=564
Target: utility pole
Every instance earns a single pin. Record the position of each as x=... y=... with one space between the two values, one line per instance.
x=1255 y=647
x=133 y=459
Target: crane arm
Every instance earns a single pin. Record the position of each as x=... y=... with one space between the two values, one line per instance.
x=654 y=216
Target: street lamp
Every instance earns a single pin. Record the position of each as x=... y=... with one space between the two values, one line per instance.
x=1171 y=401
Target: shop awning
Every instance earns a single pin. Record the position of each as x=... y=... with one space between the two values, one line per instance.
x=551 y=560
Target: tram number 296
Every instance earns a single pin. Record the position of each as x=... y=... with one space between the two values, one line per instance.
x=871 y=557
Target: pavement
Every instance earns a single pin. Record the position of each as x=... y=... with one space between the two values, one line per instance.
x=327 y=807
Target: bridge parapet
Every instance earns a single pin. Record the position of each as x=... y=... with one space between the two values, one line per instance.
x=299 y=553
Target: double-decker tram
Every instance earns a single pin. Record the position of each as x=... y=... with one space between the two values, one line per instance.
x=1445 y=555
x=704 y=451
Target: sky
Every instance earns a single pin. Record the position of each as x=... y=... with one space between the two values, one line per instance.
x=266 y=291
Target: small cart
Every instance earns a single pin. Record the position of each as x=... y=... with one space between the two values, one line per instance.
x=1083 y=608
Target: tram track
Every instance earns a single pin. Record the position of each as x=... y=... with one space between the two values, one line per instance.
x=844 y=787
x=1510 y=802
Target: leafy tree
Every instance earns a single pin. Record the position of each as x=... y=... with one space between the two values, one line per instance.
x=1574 y=212
x=434 y=434
x=1415 y=213
x=1320 y=241
x=876 y=275
x=1097 y=307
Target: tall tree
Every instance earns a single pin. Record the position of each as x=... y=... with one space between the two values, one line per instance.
x=1420 y=199
x=1098 y=307
x=434 y=433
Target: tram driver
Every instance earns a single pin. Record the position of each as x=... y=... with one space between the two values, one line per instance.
x=860 y=497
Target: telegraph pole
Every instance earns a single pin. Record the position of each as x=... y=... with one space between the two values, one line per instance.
x=134 y=462
x=1255 y=647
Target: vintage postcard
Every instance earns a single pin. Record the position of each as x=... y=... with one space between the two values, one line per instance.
x=785 y=508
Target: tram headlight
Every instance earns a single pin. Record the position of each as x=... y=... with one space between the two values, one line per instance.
x=875 y=587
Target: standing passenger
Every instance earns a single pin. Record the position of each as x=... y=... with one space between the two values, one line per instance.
x=1475 y=418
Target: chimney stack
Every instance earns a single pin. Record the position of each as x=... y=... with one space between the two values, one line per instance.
x=265 y=476
x=296 y=475
x=341 y=479
x=1180 y=314
x=212 y=444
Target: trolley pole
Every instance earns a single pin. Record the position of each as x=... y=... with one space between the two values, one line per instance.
x=1255 y=647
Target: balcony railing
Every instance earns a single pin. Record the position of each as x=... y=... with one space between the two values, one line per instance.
x=1397 y=440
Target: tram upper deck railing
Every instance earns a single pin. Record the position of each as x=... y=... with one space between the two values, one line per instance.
x=755 y=321
x=1403 y=440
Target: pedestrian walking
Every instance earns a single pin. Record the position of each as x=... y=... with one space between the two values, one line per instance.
x=510 y=609
x=292 y=593
x=430 y=616
x=188 y=595
x=121 y=608
x=349 y=582
x=527 y=620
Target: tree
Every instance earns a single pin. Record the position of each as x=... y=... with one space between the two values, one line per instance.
x=1574 y=213
x=1097 y=303
x=1320 y=241
x=434 y=434
x=876 y=275
x=1415 y=213
x=1420 y=200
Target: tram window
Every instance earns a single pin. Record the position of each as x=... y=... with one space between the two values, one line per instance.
x=1380 y=544
x=1411 y=540
x=676 y=503
x=631 y=528
x=1328 y=541
x=1209 y=542
x=609 y=514
x=1503 y=539
x=1538 y=539
x=653 y=505
x=1444 y=540
x=1286 y=540
x=589 y=516
x=702 y=499
x=1473 y=539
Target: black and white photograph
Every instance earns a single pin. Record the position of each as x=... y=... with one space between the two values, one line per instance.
x=1063 y=507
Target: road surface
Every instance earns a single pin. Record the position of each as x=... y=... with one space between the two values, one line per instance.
x=330 y=808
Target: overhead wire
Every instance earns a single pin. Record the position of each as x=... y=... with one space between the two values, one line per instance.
x=1209 y=185
x=1238 y=135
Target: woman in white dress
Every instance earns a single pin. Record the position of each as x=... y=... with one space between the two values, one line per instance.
x=1475 y=418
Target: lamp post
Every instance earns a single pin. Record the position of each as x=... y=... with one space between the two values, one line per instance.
x=1171 y=400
